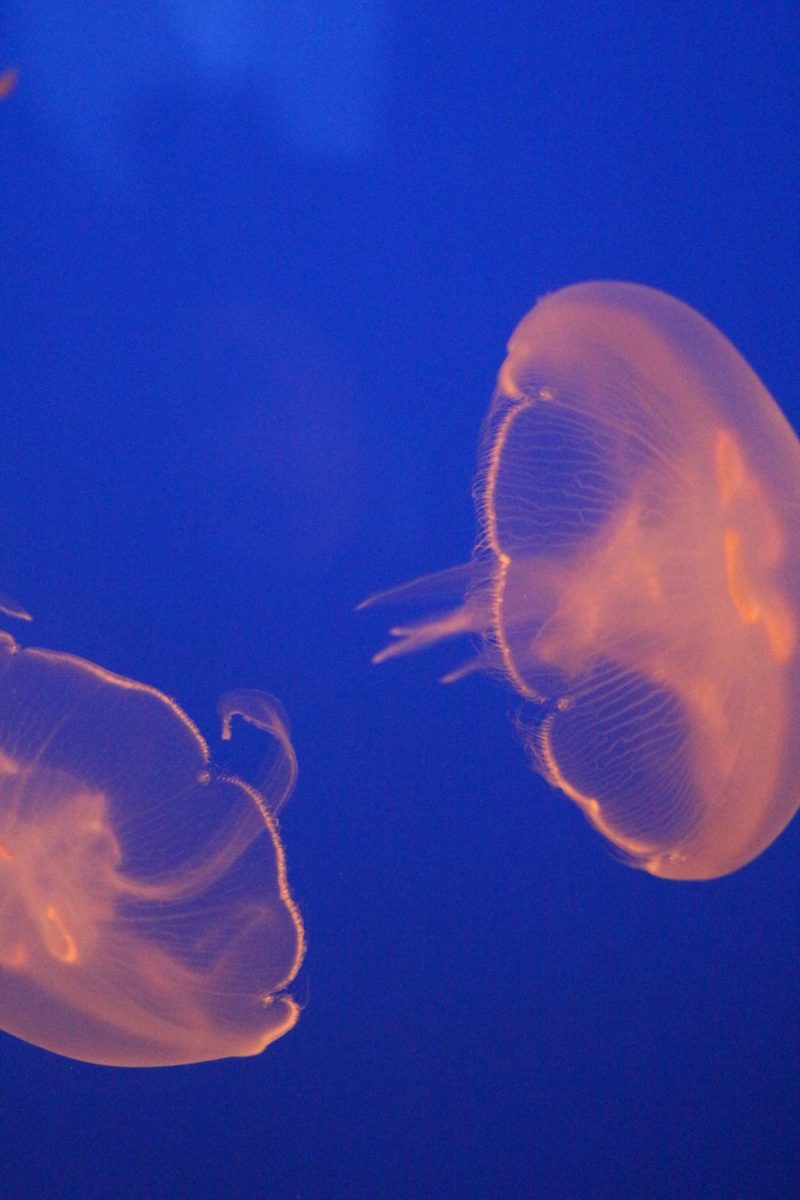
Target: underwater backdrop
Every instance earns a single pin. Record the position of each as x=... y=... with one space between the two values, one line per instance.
x=260 y=265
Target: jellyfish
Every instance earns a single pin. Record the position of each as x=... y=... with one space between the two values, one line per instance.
x=9 y=78
x=636 y=577
x=145 y=914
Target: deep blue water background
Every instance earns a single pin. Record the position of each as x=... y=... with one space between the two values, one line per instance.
x=259 y=265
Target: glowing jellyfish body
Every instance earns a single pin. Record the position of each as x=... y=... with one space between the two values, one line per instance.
x=145 y=916
x=637 y=575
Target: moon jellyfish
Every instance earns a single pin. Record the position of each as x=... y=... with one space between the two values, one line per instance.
x=637 y=576
x=145 y=916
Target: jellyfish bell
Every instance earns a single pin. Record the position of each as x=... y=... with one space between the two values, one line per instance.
x=145 y=914
x=637 y=576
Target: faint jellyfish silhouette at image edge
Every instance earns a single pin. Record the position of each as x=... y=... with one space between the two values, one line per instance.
x=637 y=576
x=145 y=915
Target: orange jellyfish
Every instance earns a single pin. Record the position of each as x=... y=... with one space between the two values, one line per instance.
x=145 y=916
x=637 y=576
x=9 y=77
